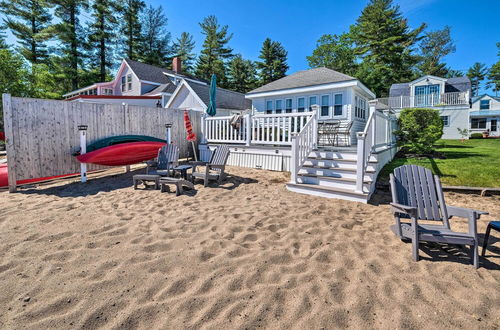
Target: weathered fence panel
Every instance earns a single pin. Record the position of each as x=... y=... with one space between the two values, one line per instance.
x=42 y=134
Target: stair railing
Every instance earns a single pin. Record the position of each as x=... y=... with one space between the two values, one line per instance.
x=303 y=143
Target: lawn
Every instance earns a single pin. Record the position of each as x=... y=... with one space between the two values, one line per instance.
x=473 y=163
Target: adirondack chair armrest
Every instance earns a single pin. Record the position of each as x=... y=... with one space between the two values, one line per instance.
x=197 y=163
x=463 y=212
x=217 y=166
x=410 y=210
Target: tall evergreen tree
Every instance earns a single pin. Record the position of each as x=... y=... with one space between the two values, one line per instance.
x=71 y=39
x=477 y=73
x=334 y=52
x=385 y=43
x=215 y=51
x=102 y=37
x=494 y=74
x=273 y=64
x=29 y=21
x=183 y=47
x=242 y=74
x=3 y=44
x=132 y=28
x=155 y=43
x=433 y=48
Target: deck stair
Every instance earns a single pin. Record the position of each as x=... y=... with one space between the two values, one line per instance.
x=332 y=173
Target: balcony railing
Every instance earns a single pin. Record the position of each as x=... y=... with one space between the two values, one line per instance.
x=426 y=100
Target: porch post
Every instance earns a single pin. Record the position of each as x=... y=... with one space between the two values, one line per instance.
x=374 y=126
x=203 y=139
x=248 y=129
x=360 y=164
x=294 y=158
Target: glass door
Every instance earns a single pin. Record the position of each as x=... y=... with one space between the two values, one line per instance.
x=493 y=125
x=426 y=95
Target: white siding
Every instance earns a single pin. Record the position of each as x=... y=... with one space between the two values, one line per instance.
x=186 y=100
x=136 y=84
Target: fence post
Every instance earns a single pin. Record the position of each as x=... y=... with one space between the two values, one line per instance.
x=295 y=157
x=248 y=128
x=9 y=141
x=203 y=139
x=374 y=126
x=360 y=165
x=83 y=150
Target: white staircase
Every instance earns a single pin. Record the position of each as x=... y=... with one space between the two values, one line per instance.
x=333 y=174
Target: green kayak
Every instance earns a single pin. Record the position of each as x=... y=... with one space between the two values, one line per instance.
x=109 y=141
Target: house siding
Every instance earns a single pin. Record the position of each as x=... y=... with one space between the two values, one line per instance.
x=186 y=100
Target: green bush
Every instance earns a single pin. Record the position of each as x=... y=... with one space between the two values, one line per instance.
x=418 y=130
x=476 y=136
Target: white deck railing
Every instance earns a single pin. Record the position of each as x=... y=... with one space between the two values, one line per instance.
x=303 y=143
x=427 y=100
x=274 y=129
x=378 y=134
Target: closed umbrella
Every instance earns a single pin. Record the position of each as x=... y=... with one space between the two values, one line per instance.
x=191 y=136
x=212 y=107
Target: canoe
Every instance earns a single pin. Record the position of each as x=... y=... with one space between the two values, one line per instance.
x=4 y=177
x=113 y=140
x=122 y=154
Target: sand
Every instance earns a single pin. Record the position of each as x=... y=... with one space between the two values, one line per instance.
x=249 y=254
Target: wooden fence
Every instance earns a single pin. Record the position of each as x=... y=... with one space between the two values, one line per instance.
x=41 y=135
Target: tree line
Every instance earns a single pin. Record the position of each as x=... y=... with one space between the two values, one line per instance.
x=63 y=45
x=381 y=49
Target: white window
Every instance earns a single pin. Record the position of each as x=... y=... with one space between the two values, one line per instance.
x=288 y=105
x=484 y=105
x=337 y=105
x=279 y=106
x=446 y=120
x=478 y=123
x=313 y=100
x=124 y=83
x=301 y=104
x=360 y=107
x=129 y=81
x=325 y=105
x=269 y=106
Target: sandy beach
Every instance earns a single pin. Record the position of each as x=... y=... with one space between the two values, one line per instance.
x=246 y=255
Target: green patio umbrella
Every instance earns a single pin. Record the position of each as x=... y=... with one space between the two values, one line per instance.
x=212 y=107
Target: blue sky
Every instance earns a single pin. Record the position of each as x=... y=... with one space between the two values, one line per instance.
x=298 y=24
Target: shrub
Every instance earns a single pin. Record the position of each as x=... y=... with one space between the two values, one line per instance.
x=418 y=130
x=476 y=136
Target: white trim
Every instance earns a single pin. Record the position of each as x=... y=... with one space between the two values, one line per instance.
x=180 y=77
x=308 y=89
x=343 y=115
x=174 y=95
x=425 y=77
x=329 y=115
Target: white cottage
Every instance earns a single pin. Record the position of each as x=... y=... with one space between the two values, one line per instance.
x=450 y=96
x=294 y=126
x=339 y=97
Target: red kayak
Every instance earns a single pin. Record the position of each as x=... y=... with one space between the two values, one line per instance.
x=122 y=154
x=4 y=177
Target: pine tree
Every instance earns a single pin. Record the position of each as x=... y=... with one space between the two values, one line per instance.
x=434 y=47
x=71 y=39
x=494 y=74
x=334 y=52
x=477 y=73
x=385 y=43
x=30 y=22
x=242 y=74
x=3 y=44
x=132 y=27
x=183 y=47
x=273 y=64
x=215 y=51
x=102 y=37
x=155 y=44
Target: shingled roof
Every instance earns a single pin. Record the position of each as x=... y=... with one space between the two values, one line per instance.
x=311 y=77
x=153 y=73
x=456 y=84
x=225 y=99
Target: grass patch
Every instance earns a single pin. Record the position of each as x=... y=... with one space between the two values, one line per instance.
x=472 y=163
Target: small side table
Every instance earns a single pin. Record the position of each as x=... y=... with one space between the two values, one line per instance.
x=183 y=170
x=178 y=182
x=493 y=224
x=146 y=178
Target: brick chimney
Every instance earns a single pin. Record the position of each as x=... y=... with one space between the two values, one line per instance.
x=177 y=64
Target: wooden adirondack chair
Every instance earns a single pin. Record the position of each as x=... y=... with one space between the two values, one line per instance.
x=418 y=195
x=168 y=158
x=214 y=170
